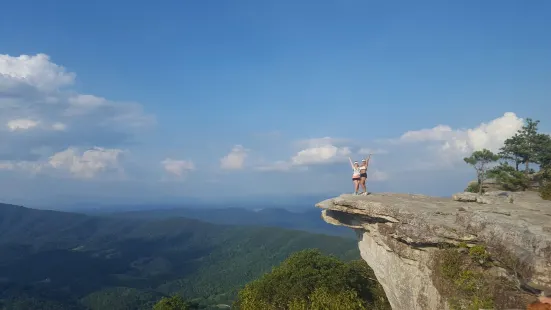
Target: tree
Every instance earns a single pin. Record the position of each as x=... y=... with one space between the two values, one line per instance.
x=543 y=153
x=509 y=177
x=174 y=303
x=526 y=147
x=308 y=280
x=480 y=160
x=523 y=146
x=512 y=150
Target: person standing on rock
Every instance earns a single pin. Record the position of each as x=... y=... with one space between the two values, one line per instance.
x=363 y=174
x=355 y=175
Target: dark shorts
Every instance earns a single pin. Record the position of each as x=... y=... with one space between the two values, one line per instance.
x=363 y=175
x=355 y=179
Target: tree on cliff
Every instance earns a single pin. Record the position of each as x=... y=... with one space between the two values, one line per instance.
x=524 y=147
x=309 y=280
x=480 y=161
x=527 y=147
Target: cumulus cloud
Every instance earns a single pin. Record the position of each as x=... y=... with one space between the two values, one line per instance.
x=59 y=126
x=177 y=167
x=85 y=165
x=21 y=124
x=39 y=109
x=235 y=160
x=320 y=142
x=317 y=151
x=487 y=135
x=88 y=163
x=321 y=155
x=36 y=71
x=446 y=146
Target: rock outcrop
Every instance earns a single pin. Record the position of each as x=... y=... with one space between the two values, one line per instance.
x=401 y=236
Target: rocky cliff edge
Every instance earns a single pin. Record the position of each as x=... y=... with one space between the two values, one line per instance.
x=490 y=251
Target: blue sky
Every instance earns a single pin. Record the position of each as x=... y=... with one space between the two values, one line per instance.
x=129 y=102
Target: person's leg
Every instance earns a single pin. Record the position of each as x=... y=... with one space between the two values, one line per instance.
x=356 y=186
x=362 y=183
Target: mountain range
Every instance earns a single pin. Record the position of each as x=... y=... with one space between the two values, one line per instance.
x=63 y=260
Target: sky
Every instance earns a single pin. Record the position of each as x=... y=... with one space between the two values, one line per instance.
x=179 y=101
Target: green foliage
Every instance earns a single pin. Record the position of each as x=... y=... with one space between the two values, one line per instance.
x=465 y=286
x=311 y=280
x=480 y=161
x=479 y=254
x=510 y=178
x=523 y=147
x=473 y=187
x=134 y=261
x=174 y=303
x=526 y=147
x=545 y=191
x=322 y=298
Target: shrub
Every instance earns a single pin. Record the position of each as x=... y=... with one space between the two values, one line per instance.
x=473 y=187
x=545 y=190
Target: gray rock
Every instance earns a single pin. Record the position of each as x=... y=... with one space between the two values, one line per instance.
x=400 y=232
x=465 y=196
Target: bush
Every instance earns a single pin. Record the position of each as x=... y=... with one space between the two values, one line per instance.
x=473 y=187
x=545 y=191
x=509 y=178
x=309 y=280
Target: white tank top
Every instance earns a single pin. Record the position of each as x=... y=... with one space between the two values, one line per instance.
x=356 y=171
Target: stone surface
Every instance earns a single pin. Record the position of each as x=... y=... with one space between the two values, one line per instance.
x=399 y=232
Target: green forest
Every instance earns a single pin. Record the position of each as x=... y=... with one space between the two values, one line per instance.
x=60 y=260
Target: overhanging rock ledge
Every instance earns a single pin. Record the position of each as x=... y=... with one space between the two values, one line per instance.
x=399 y=234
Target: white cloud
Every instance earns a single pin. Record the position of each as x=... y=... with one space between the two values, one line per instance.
x=21 y=124
x=177 y=167
x=321 y=155
x=36 y=71
x=320 y=142
x=317 y=151
x=487 y=135
x=36 y=93
x=82 y=104
x=438 y=133
x=84 y=165
x=235 y=160
x=445 y=146
x=87 y=164
x=59 y=126
x=27 y=166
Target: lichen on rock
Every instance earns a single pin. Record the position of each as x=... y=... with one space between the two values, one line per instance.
x=499 y=244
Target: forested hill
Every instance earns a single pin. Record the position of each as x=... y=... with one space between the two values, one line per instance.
x=305 y=219
x=59 y=260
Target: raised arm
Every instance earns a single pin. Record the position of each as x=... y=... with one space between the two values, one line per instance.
x=367 y=160
x=351 y=164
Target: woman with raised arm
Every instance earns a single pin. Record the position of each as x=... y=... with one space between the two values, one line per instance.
x=363 y=173
x=355 y=175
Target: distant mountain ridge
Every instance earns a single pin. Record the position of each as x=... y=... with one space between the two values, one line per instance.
x=61 y=260
x=304 y=219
